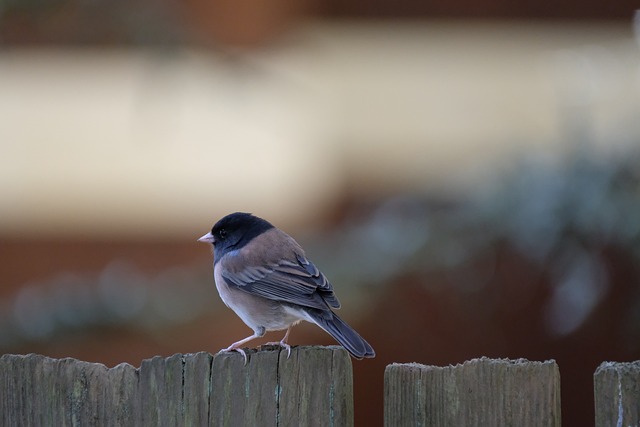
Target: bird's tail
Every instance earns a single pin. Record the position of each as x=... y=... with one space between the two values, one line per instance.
x=343 y=333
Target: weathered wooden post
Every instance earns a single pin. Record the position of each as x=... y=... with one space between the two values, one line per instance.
x=312 y=387
x=480 y=392
x=617 y=394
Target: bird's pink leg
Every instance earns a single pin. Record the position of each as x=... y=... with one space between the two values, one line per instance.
x=236 y=345
x=283 y=342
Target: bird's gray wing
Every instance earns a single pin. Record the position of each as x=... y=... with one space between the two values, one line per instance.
x=296 y=282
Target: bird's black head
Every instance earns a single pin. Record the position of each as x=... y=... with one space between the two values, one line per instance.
x=236 y=230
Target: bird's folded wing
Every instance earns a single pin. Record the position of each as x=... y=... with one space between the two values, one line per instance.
x=298 y=283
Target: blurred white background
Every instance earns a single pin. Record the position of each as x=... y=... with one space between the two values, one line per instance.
x=158 y=142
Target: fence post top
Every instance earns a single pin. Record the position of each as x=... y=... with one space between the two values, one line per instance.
x=475 y=362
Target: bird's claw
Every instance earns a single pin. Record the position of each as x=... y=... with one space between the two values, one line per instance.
x=239 y=350
x=283 y=345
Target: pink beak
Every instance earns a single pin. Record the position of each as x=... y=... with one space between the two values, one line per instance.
x=207 y=238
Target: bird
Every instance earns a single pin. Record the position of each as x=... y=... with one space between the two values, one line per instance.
x=264 y=276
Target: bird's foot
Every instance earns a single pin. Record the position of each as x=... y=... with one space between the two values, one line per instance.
x=239 y=350
x=282 y=344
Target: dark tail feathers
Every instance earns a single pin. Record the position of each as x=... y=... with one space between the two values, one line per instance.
x=343 y=333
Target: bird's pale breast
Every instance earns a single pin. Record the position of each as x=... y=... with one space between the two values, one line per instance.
x=256 y=311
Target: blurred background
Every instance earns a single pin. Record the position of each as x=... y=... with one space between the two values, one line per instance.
x=467 y=174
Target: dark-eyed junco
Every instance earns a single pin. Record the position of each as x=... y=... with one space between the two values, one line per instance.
x=263 y=275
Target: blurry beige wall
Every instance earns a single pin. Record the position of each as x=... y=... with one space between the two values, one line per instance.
x=141 y=142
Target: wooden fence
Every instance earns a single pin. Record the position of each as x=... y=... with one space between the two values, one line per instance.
x=313 y=387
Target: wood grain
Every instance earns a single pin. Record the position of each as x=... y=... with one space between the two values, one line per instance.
x=617 y=394
x=480 y=392
x=312 y=387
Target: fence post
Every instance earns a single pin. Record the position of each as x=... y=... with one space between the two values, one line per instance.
x=616 y=389
x=312 y=387
x=480 y=392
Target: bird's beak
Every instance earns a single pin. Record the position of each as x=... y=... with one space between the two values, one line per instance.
x=207 y=238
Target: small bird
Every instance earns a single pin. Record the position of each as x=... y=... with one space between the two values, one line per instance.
x=263 y=275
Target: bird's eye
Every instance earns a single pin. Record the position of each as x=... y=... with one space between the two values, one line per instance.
x=222 y=233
